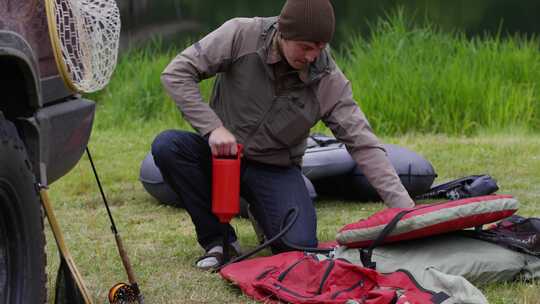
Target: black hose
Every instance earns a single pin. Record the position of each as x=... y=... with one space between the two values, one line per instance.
x=265 y=244
x=281 y=235
x=298 y=247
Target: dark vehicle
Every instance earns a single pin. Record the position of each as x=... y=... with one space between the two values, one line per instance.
x=44 y=129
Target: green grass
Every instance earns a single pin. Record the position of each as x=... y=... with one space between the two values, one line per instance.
x=161 y=241
x=412 y=83
x=405 y=78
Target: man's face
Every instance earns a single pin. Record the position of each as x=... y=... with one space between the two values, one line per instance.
x=300 y=54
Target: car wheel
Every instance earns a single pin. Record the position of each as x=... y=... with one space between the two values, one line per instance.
x=22 y=239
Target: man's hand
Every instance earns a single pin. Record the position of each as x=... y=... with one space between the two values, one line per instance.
x=222 y=142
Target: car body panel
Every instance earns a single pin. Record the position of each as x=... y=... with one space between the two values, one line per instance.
x=56 y=123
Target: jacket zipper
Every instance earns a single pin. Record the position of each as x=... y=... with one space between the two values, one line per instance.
x=284 y=273
x=360 y=283
x=325 y=276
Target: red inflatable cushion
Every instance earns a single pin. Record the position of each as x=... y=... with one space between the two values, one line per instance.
x=426 y=220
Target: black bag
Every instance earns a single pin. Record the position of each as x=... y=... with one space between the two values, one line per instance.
x=516 y=233
x=470 y=186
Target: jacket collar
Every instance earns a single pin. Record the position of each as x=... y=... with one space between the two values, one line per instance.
x=274 y=53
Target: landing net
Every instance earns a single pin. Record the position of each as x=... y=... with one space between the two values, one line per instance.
x=85 y=35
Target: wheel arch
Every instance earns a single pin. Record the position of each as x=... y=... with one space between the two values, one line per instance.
x=19 y=76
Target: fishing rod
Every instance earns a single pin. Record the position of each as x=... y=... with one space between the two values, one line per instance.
x=120 y=293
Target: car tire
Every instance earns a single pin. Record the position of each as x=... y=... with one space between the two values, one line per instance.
x=22 y=239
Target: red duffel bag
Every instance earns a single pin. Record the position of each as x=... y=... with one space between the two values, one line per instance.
x=297 y=277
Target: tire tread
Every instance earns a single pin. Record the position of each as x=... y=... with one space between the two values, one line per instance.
x=9 y=138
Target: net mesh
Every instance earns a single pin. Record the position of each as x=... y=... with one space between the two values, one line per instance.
x=66 y=291
x=85 y=35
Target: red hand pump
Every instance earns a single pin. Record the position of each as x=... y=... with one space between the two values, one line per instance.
x=226 y=192
x=226 y=186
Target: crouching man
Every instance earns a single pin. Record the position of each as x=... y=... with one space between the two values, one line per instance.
x=275 y=80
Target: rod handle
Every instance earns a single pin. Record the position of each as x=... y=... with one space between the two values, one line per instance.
x=125 y=259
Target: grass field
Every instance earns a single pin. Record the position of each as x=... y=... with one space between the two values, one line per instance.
x=161 y=239
x=414 y=84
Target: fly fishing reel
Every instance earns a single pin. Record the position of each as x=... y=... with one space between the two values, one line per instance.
x=123 y=293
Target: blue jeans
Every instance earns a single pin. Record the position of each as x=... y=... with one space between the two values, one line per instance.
x=184 y=159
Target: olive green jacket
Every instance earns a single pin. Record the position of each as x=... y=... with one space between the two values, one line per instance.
x=271 y=112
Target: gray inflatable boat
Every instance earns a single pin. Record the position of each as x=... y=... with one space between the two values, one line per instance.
x=328 y=169
x=334 y=173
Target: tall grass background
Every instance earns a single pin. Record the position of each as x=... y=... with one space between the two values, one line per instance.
x=406 y=78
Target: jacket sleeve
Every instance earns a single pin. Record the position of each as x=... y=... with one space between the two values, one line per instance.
x=211 y=55
x=349 y=125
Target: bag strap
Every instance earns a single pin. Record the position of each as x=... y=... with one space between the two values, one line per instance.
x=366 y=253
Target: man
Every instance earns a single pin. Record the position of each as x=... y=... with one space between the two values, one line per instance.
x=275 y=80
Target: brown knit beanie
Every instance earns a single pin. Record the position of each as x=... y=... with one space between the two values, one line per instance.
x=307 y=20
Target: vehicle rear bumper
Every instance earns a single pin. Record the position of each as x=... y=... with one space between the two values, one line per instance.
x=57 y=135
